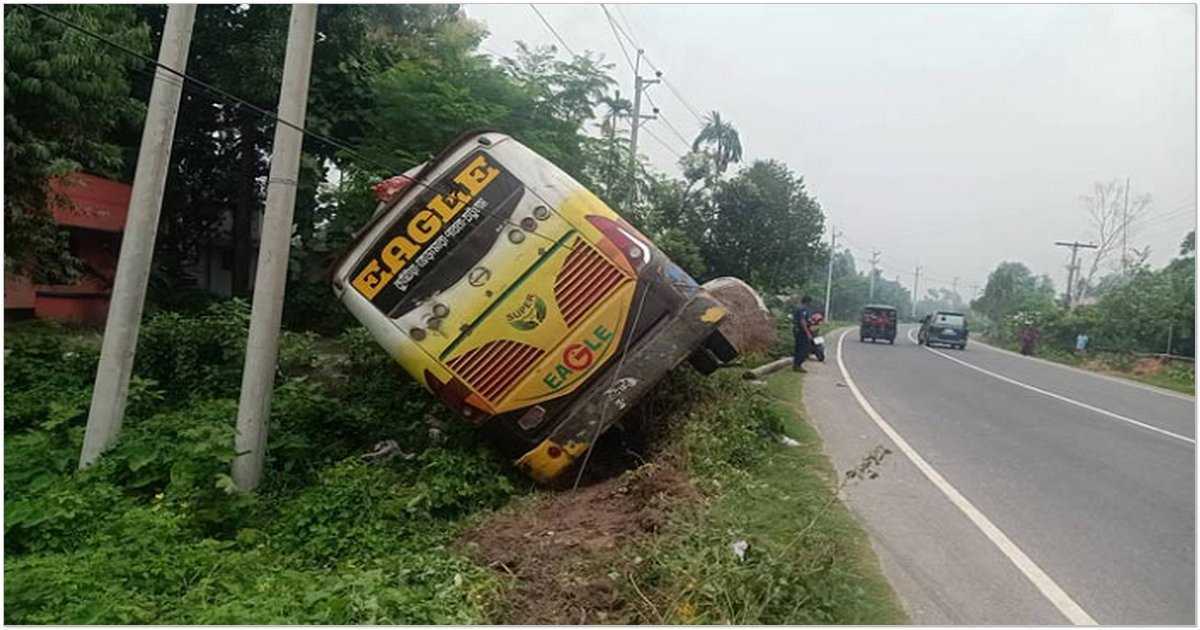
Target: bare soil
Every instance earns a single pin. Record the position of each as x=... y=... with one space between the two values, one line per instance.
x=560 y=550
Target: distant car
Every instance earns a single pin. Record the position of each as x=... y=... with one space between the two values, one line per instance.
x=944 y=327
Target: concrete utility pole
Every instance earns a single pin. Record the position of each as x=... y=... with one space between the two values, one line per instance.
x=1074 y=245
x=137 y=244
x=639 y=85
x=874 y=272
x=262 y=346
x=833 y=234
x=954 y=290
x=916 y=281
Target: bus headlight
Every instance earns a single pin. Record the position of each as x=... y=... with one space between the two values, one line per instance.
x=528 y=224
x=516 y=237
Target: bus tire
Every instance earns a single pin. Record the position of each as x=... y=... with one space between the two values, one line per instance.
x=704 y=361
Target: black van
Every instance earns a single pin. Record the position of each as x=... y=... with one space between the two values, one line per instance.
x=945 y=327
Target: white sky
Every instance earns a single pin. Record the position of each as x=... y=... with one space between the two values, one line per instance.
x=953 y=136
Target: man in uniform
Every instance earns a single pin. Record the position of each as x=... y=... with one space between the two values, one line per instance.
x=802 y=333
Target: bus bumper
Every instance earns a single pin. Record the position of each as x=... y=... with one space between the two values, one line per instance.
x=627 y=378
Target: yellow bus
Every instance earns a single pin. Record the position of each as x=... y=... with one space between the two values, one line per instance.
x=522 y=301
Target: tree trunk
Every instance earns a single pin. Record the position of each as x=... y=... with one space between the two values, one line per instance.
x=246 y=204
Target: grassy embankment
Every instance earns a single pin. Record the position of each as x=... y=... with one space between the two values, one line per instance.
x=807 y=560
x=1179 y=376
x=155 y=534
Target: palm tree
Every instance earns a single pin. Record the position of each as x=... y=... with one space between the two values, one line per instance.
x=720 y=135
x=617 y=108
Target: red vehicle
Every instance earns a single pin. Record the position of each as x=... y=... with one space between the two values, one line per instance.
x=878 y=322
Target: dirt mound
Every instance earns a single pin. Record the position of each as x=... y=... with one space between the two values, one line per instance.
x=1149 y=366
x=749 y=325
x=560 y=548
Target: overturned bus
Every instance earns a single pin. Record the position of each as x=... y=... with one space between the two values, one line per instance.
x=522 y=301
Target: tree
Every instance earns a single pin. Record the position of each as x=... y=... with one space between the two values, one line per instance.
x=1012 y=288
x=65 y=96
x=765 y=228
x=721 y=140
x=1111 y=217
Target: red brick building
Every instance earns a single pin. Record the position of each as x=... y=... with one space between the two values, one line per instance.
x=95 y=218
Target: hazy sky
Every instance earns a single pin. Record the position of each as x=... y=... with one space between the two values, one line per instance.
x=953 y=136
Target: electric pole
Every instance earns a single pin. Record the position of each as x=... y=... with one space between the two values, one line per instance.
x=874 y=272
x=137 y=245
x=262 y=346
x=833 y=234
x=916 y=281
x=639 y=85
x=1074 y=245
x=954 y=290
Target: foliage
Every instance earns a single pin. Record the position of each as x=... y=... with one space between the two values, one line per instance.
x=766 y=229
x=346 y=541
x=807 y=561
x=1139 y=312
x=721 y=139
x=1012 y=288
x=65 y=96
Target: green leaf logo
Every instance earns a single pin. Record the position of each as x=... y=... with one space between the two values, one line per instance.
x=530 y=314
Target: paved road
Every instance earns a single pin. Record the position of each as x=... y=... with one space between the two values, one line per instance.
x=1023 y=493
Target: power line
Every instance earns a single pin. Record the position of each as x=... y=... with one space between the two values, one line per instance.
x=616 y=35
x=670 y=86
x=211 y=89
x=625 y=20
x=664 y=144
x=662 y=117
x=551 y=28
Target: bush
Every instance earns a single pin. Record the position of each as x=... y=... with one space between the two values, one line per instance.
x=195 y=356
x=154 y=532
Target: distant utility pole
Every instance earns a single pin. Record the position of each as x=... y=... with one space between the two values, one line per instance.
x=639 y=85
x=954 y=289
x=1125 y=231
x=137 y=246
x=833 y=234
x=916 y=282
x=874 y=272
x=262 y=346
x=1075 y=246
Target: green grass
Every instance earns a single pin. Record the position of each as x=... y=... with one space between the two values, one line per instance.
x=808 y=560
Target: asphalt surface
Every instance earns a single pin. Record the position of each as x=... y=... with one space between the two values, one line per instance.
x=1091 y=479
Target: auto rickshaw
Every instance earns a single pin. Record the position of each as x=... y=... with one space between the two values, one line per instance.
x=878 y=322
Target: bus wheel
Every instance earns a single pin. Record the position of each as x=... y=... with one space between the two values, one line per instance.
x=704 y=361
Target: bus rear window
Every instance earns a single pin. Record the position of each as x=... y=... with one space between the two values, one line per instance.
x=435 y=226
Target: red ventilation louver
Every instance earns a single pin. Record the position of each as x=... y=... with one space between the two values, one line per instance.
x=586 y=278
x=493 y=368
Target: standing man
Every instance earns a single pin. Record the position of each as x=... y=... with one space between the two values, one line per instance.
x=802 y=333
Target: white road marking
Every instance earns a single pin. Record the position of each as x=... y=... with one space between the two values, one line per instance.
x=1043 y=582
x=1071 y=401
x=1114 y=379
